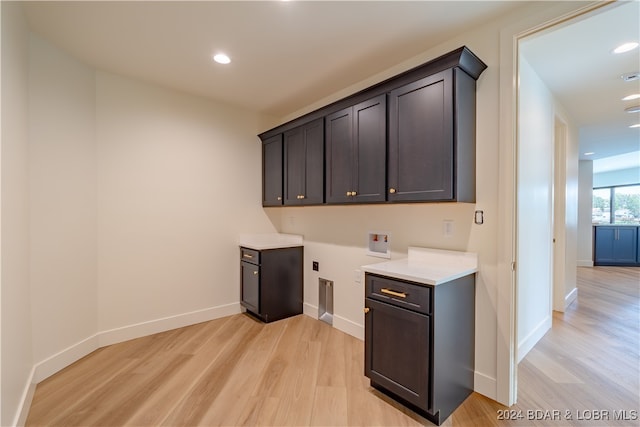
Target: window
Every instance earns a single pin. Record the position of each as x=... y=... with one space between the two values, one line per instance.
x=616 y=205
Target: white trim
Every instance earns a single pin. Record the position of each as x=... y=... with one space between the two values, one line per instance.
x=66 y=357
x=532 y=339
x=126 y=333
x=484 y=384
x=585 y=263
x=310 y=310
x=571 y=297
x=349 y=327
x=25 y=401
x=49 y=366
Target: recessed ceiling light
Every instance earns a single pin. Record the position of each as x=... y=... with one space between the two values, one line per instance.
x=221 y=58
x=637 y=125
x=631 y=97
x=634 y=109
x=625 y=47
x=590 y=153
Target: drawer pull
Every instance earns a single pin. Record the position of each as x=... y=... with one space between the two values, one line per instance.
x=394 y=293
x=247 y=256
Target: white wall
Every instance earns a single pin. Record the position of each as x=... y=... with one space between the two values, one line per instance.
x=179 y=178
x=535 y=179
x=16 y=357
x=122 y=203
x=63 y=208
x=585 y=201
x=617 y=177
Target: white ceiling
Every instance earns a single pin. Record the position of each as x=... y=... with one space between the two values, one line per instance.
x=576 y=63
x=287 y=55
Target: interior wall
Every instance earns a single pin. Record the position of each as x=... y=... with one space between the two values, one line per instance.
x=63 y=208
x=179 y=178
x=628 y=176
x=16 y=357
x=535 y=180
x=585 y=201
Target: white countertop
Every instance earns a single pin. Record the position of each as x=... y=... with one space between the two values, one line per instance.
x=428 y=266
x=260 y=242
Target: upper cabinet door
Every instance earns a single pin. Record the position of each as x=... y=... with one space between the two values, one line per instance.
x=370 y=150
x=356 y=153
x=272 y=171
x=304 y=164
x=421 y=140
x=339 y=147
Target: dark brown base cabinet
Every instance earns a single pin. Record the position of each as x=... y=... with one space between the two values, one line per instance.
x=272 y=282
x=419 y=342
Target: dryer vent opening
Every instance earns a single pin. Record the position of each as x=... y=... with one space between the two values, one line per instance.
x=325 y=301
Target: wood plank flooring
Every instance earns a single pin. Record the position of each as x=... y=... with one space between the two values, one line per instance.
x=236 y=371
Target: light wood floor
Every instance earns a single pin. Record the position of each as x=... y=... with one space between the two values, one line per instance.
x=236 y=371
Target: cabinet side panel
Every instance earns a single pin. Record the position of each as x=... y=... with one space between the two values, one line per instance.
x=465 y=137
x=281 y=283
x=453 y=344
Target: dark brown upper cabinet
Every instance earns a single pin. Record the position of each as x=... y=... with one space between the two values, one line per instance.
x=427 y=117
x=304 y=164
x=272 y=171
x=432 y=139
x=356 y=146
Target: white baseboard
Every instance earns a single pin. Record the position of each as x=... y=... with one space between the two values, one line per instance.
x=585 y=263
x=485 y=385
x=44 y=369
x=25 y=401
x=310 y=310
x=64 y=358
x=349 y=327
x=143 y=329
x=534 y=336
x=571 y=297
x=340 y=323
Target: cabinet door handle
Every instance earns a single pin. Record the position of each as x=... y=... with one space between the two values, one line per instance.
x=393 y=293
x=366 y=310
x=255 y=273
x=353 y=193
x=348 y=193
x=279 y=198
x=392 y=190
x=247 y=256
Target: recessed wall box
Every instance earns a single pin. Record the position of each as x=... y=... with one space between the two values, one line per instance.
x=378 y=245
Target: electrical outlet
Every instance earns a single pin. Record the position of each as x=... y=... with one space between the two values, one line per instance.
x=315 y=266
x=357 y=276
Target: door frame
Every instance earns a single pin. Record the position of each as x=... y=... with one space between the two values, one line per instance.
x=510 y=37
